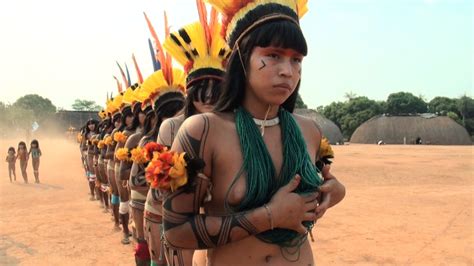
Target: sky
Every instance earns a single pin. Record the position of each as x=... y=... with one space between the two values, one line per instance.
x=66 y=50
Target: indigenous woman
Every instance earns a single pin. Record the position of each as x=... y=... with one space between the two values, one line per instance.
x=92 y=128
x=129 y=126
x=105 y=128
x=113 y=107
x=259 y=157
x=199 y=48
x=167 y=92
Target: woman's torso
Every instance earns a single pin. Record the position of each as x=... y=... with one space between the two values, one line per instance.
x=223 y=141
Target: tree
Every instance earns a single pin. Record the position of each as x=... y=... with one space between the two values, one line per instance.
x=454 y=117
x=466 y=109
x=85 y=105
x=359 y=110
x=40 y=107
x=350 y=95
x=300 y=103
x=351 y=114
x=443 y=105
x=405 y=103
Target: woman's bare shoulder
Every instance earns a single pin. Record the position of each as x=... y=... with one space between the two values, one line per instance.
x=199 y=132
x=133 y=140
x=309 y=127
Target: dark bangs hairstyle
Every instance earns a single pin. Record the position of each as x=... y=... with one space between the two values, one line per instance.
x=205 y=91
x=34 y=142
x=126 y=112
x=22 y=144
x=280 y=33
x=166 y=106
x=96 y=128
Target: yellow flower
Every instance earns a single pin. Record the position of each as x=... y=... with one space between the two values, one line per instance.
x=108 y=140
x=325 y=151
x=79 y=137
x=95 y=141
x=138 y=155
x=178 y=172
x=122 y=154
x=101 y=144
x=120 y=137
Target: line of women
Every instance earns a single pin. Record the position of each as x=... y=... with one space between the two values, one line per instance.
x=255 y=180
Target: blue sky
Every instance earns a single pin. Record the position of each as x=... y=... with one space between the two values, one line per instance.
x=66 y=50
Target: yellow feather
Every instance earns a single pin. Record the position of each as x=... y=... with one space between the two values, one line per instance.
x=128 y=97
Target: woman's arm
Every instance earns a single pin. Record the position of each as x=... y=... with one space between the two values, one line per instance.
x=185 y=228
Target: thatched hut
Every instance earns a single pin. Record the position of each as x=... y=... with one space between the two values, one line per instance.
x=330 y=130
x=422 y=129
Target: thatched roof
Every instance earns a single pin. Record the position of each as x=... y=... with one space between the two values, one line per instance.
x=330 y=130
x=431 y=129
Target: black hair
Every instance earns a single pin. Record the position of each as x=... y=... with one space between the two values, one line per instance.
x=166 y=106
x=126 y=112
x=283 y=33
x=22 y=143
x=96 y=128
x=34 y=142
x=205 y=91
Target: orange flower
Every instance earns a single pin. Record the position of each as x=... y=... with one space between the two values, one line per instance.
x=108 y=140
x=95 y=141
x=79 y=137
x=122 y=154
x=101 y=144
x=167 y=170
x=120 y=137
x=138 y=155
x=151 y=148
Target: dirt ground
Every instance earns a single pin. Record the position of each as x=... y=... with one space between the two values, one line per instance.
x=405 y=205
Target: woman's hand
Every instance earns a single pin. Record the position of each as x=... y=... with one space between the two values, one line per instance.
x=289 y=209
x=332 y=192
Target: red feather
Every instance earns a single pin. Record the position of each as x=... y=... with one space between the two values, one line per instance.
x=139 y=73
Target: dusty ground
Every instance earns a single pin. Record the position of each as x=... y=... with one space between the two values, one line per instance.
x=405 y=205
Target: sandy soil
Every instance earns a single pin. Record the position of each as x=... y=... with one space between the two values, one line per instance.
x=405 y=205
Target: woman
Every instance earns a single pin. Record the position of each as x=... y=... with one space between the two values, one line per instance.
x=167 y=90
x=113 y=108
x=129 y=126
x=105 y=129
x=92 y=129
x=205 y=70
x=259 y=157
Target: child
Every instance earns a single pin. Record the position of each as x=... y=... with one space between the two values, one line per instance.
x=35 y=152
x=22 y=154
x=11 y=159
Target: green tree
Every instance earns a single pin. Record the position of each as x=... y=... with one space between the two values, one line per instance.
x=443 y=105
x=358 y=110
x=351 y=114
x=334 y=112
x=405 y=103
x=466 y=109
x=40 y=107
x=85 y=105
x=455 y=117
x=300 y=103
x=350 y=95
